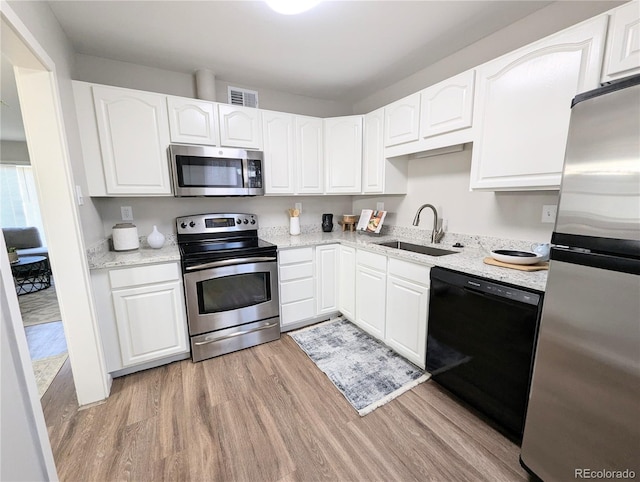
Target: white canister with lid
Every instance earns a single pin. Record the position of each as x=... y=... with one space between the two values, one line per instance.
x=125 y=237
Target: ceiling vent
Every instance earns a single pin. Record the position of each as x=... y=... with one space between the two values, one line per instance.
x=247 y=98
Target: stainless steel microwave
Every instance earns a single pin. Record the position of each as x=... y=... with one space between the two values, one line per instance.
x=215 y=171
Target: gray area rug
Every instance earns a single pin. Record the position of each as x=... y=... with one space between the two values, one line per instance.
x=366 y=372
x=39 y=307
x=46 y=369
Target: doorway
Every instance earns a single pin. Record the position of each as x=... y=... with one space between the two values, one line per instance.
x=23 y=230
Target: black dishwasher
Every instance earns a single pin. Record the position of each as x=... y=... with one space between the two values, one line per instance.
x=480 y=344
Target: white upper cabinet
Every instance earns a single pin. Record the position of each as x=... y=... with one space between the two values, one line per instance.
x=522 y=108
x=373 y=152
x=240 y=126
x=294 y=153
x=309 y=155
x=623 y=43
x=343 y=154
x=402 y=120
x=380 y=175
x=193 y=121
x=278 y=131
x=134 y=136
x=447 y=106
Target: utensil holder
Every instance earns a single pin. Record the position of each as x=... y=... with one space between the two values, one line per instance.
x=294 y=226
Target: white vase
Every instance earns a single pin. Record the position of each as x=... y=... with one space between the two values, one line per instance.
x=155 y=239
x=294 y=226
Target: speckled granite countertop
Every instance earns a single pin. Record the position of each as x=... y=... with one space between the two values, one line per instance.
x=469 y=260
x=99 y=257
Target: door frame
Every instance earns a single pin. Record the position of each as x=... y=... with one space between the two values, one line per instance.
x=41 y=107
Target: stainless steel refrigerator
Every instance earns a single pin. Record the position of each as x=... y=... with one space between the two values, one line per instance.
x=583 y=415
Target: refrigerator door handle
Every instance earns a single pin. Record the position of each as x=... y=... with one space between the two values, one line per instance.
x=596 y=260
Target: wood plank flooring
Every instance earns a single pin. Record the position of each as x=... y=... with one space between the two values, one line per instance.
x=267 y=414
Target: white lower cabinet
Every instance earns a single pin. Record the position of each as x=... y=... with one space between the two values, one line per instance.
x=347 y=283
x=407 y=310
x=327 y=259
x=142 y=316
x=371 y=287
x=297 y=293
x=308 y=288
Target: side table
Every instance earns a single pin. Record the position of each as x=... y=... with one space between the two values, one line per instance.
x=31 y=273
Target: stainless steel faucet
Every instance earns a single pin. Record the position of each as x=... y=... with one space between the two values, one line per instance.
x=437 y=233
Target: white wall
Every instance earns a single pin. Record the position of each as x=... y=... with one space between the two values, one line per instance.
x=271 y=211
x=124 y=74
x=544 y=22
x=14 y=152
x=444 y=182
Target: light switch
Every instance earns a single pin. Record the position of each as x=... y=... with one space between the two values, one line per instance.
x=549 y=212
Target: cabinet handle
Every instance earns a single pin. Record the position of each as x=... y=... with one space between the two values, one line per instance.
x=232 y=335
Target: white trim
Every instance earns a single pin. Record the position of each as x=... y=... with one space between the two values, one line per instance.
x=17 y=337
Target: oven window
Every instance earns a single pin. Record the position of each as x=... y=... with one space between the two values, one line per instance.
x=233 y=292
x=209 y=172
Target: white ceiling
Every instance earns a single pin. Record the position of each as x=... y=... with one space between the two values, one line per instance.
x=340 y=50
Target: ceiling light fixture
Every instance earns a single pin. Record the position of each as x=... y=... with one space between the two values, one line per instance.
x=292 y=7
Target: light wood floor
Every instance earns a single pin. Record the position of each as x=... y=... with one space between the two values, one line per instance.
x=266 y=414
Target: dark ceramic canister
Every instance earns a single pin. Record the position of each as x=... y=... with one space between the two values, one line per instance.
x=327 y=223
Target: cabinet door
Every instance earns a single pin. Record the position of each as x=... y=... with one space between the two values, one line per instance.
x=309 y=155
x=327 y=278
x=370 y=300
x=240 y=126
x=277 y=129
x=343 y=154
x=373 y=160
x=406 y=321
x=402 y=121
x=623 y=43
x=523 y=104
x=151 y=322
x=193 y=121
x=134 y=136
x=347 y=282
x=447 y=106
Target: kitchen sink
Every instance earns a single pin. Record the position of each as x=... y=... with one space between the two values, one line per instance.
x=417 y=248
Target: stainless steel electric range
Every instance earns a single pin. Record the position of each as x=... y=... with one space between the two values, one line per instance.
x=230 y=282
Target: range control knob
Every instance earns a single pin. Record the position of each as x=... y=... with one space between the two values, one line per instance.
x=192 y=224
x=238 y=221
x=246 y=221
x=253 y=221
x=183 y=225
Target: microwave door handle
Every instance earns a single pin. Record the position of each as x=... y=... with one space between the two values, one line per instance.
x=230 y=262
x=245 y=172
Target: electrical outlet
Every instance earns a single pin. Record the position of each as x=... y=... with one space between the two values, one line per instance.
x=127 y=213
x=379 y=206
x=299 y=207
x=549 y=212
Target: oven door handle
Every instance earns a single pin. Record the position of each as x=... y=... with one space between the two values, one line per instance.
x=230 y=262
x=232 y=335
